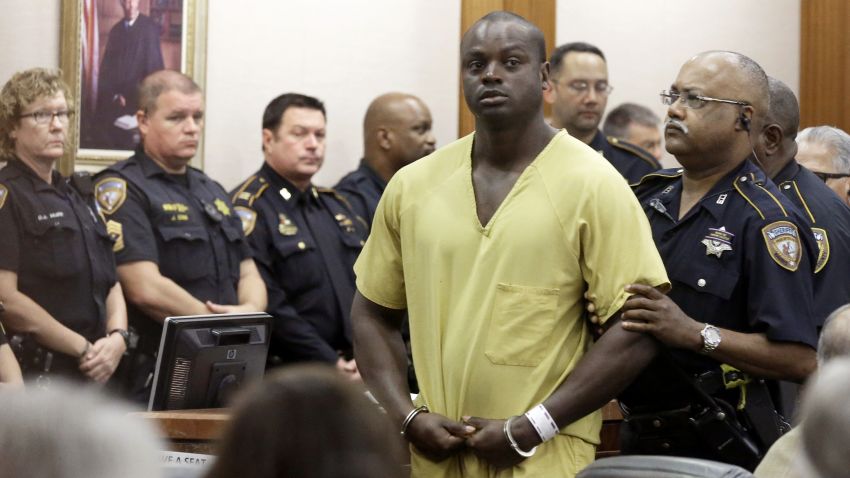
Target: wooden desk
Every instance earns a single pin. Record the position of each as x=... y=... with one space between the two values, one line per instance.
x=190 y=431
x=610 y=434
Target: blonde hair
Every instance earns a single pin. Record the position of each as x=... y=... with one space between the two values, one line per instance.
x=20 y=91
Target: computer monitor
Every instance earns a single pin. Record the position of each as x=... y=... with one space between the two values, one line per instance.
x=203 y=359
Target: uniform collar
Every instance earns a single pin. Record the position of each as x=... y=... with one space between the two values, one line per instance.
x=598 y=143
x=747 y=172
x=285 y=188
x=370 y=173
x=22 y=169
x=788 y=173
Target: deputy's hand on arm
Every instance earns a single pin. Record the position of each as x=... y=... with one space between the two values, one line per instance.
x=490 y=443
x=102 y=359
x=653 y=312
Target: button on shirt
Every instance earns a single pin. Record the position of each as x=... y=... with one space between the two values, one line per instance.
x=630 y=160
x=363 y=189
x=723 y=263
x=57 y=246
x=305 y=244
x=183 y=223
x=829 y=218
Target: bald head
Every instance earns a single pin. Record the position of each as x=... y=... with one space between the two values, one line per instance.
x=784 y=109
x=826 y=420
x=396 y=132
x=742 y=76
x=534 y=34
x=161 y=82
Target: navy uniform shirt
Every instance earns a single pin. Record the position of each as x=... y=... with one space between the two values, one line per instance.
x=183 y=223
x=629 y=159
x=740 y=259
x=363 y=189
x=305 y=244
x=59 y=248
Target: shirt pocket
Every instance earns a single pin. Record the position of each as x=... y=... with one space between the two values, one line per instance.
x=298 y=266
x=50 y=249
x=521 y=325
x=186 y=256
x=711 y=279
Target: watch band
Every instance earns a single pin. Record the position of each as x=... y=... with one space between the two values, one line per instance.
x=124 y=335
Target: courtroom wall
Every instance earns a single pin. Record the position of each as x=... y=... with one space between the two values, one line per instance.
x=348 y=51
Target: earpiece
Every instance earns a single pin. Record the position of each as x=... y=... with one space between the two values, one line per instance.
x=745 y=122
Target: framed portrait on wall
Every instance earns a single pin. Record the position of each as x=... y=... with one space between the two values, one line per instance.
x=108 y=47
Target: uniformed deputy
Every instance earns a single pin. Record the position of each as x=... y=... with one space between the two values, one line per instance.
x=578 y=95
x=396 y=132
x=57 y=272
x=824 y=211
x=740 y=259
x=305 y=239
x=179 y=245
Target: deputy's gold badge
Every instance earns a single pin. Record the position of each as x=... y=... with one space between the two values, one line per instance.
x=823 y=248
x=783 y=243
x=286 y=227
x=3 y=194
x=248 y=218
x=717 y=241
x=222 y=207
x=110 y=194
x=345 y=223
x=116 y=233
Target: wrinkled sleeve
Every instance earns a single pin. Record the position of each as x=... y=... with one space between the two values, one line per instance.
x=379 y=268
x=616 y=245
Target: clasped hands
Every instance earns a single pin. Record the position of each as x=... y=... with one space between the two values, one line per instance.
x=439 y=437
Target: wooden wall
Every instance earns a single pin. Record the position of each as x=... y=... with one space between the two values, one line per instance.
x=539 y=12
x=825 y=63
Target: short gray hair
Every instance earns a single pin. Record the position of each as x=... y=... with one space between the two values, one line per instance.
x=618 y=120
x=73 y=431
x=832 y=137
x=835 y=336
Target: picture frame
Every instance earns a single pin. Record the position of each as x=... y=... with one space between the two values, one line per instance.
x=103 y=130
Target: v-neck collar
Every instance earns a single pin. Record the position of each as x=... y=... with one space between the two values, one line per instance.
x=485 y=229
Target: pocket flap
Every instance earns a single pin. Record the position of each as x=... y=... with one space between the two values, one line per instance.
x=186 y=233
x=710 y=278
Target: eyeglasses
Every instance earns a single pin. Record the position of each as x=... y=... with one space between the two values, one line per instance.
x=692 y=101
x=824 y=176
x=46 y=117
x=580 y=87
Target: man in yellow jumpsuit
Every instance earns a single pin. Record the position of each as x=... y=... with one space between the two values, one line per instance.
x=489 y=244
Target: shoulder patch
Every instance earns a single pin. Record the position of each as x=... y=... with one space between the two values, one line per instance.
x=823 y=248
x=4 y=193
x=634 y=149
x=110 y=194
x=783 y=243
x=248 y=218
x=249 y=191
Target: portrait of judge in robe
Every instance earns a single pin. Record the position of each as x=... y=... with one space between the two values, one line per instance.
x=136 y=38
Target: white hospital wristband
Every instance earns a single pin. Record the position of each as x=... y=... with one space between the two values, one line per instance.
x=542 y=422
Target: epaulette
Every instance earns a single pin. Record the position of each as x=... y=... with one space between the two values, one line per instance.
x=765 y=203
x=634 y=149
x=249 y=191
x=660 y=174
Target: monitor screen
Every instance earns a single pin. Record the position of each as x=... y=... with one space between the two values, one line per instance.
x=203 y=359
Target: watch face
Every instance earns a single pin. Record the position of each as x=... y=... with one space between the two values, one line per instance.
x=712 y=335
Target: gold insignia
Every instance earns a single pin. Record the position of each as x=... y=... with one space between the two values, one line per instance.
x=286 y=227
x=345 y=223
x=3 y=194
x=717 y=241
x=110 y=194
x=823 y=248
x=116 y=233
x=248 y=218
x=783 y=243
x=222 y=207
